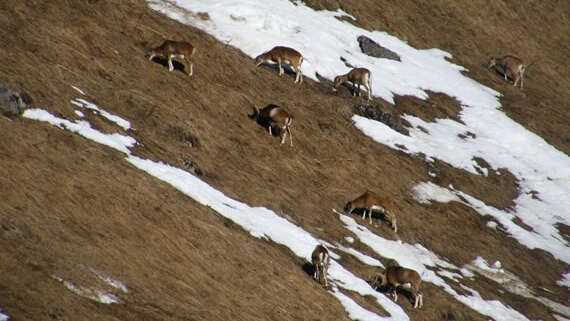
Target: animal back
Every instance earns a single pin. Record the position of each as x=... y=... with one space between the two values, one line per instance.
x=386 y=203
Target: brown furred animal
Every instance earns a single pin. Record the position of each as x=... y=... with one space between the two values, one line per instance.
x=321 y=261
x=281 y=55
x=397 y=275
x=273 y=114
x=512 y=66
x=357 y=76
x=174 y=49
x=370 y=201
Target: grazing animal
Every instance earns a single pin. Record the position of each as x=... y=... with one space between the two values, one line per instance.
x=357 y=76
x=370 y=201
x=174 y=49
x=512 y=66
x=283 y=55
x=273 y=114
x=397 y=275
x=321 y=260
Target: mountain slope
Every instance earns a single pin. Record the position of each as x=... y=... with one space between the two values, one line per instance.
x=73 y=206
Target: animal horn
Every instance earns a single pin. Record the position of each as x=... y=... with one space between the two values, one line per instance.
x=255 y=112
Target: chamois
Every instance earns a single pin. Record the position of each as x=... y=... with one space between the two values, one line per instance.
x=512 y=66
x=273 y=114
x=281 y=55
x=356 y=76
x=370 y=201
x=174 y=49
x=321 y=260
x=397 y=275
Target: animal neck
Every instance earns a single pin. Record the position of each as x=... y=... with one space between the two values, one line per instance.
x=384 y=279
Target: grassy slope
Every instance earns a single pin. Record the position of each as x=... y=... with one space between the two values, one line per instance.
x=70 y=204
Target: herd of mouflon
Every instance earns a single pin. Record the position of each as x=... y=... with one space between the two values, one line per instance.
x=272 y=115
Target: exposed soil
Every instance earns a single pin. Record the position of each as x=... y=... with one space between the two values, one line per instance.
x=71 y=205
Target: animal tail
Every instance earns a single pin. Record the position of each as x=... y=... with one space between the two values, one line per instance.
x=532 y=63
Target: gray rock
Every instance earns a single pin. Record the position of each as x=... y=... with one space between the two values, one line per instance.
x=373 y=49
x=376 y=113
x=11 y=102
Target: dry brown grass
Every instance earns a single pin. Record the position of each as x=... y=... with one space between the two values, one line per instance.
x=69 y=204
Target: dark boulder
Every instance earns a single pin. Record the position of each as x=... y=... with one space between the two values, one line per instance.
x=11 y=102
x=376 y=113
x=373 y=49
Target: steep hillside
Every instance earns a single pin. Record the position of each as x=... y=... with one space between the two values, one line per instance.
x=75 y=211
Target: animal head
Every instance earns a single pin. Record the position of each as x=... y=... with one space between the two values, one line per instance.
x=260 y=59
x=348 y=207
x=337 y=81
x=255 y=113
x=492 y=62
x=148 y=52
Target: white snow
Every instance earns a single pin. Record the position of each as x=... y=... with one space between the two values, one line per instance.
x=565 y=281
x=419 y=258
x=253 y=27
x=427 y=192
x=560 y=318
x=264 y=223
x=92 y=294
x=543 y=235
x=110 y=281
x=96 y=294
x=126 y=125
x=368 y=260
x=3 y=317
x=78 y=90
x=512 y=283
x=492 y=224
x=83 y=128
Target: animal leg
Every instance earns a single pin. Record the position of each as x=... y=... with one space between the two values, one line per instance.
x=418 y=300
x=522 y=70
x=290 y=136
x=170 y=66
x=284 y=134
x=190 y=66
x=280 y=67
x=315 y=273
